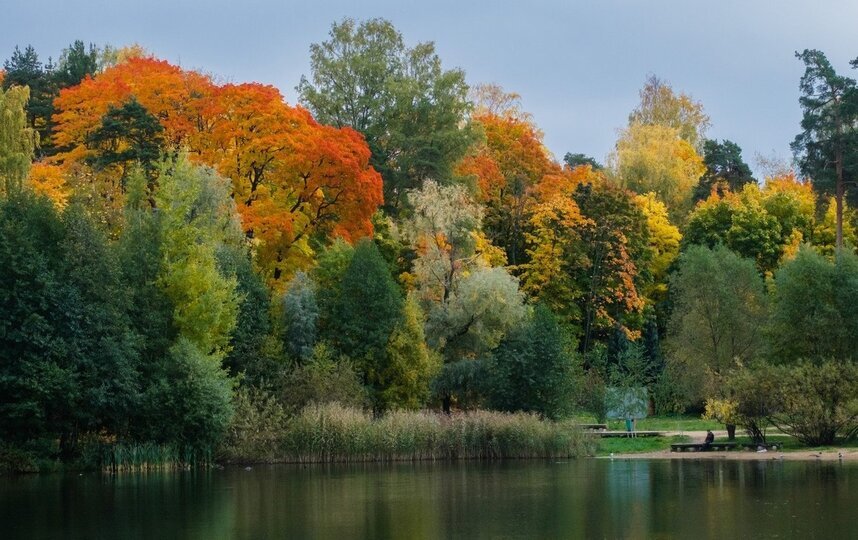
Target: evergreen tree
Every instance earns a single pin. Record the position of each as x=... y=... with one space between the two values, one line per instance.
x=725 y=168
x=76 y=62
x=827 y=147
x=253 y=324
x=532 y=369
x=365 y=313
x=129 y=135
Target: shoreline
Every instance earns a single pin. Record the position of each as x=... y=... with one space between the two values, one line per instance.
x=832 y=455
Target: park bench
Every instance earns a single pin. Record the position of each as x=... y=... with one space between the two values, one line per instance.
x=701 y=447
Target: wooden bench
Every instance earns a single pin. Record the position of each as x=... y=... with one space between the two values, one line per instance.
x=629 y=434
x=701 y=447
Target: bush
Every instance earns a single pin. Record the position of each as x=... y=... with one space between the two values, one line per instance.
x=818 y=402
x=756 y=394
x=814 y=402
x=325 y=378
x=256 y=430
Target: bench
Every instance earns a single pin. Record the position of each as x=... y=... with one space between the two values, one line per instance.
x=701 y=447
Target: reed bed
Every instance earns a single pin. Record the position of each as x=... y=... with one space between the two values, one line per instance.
x=332 y=433
x=141 y=457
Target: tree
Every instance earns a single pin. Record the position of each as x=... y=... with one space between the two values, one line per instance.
x=196 y=215
x=17 y=141
x=766 y=224
x=532 y=368
x=719 y=313
x=660 y=106
x=655 y=158
x=725 y=169
x=37 y=375
x=824 y=233
x=184 y=306
x=247 y=351
x=325 y=377
x=469 y=305
x=576 y=160
x=827 y=147
x=189 y=402
x=102 y=343
x=663 y=243
x=411 y=365
x=819 y=298
x=75 y=64
x=25 y=69
x=817 y=401
x=365 y=313
x=69 y=356
x=484 y=305
x=128 y=135
x=297 y=183
x=507 y=167
x=412 y=112
x=587 y=248
x=300 y=317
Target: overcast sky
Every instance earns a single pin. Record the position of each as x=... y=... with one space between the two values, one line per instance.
x=578 y=65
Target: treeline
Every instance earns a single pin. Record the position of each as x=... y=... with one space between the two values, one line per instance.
x=179 y=256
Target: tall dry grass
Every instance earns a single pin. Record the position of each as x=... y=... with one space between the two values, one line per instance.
x=333 y=433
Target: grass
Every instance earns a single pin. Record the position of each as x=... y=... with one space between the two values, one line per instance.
x=137 y=457
x=669 y=423
x=636 y=445
x=333 y=433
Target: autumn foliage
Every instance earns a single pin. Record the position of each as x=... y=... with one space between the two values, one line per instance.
x=293 y=178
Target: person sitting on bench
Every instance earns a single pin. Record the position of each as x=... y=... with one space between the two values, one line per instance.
x=709 y=438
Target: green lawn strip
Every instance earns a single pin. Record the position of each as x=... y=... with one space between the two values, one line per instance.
x=636 y=445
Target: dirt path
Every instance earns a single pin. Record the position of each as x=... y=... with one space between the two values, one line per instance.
x=834 y=454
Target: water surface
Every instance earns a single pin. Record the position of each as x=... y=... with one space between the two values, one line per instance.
x=522 y=499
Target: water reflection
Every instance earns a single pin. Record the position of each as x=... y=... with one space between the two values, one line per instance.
x=574 y=499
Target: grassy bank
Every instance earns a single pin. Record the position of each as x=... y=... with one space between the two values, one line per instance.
x=638 y=445
x=332 y=433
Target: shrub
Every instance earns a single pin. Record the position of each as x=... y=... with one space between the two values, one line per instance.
x=325 y=378
x=818 y=402
x=256 y=430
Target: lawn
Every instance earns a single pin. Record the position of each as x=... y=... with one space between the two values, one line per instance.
x=685 y=422
x=637 y=445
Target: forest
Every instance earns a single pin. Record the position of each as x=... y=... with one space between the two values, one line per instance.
x=200 y=271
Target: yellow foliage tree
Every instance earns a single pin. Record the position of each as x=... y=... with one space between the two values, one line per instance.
x=653 y=158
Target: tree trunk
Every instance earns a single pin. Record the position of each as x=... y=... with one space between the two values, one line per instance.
x=446 y=403
x=731 y=432
x=838 y=198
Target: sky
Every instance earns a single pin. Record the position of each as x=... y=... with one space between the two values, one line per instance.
x=578 y=65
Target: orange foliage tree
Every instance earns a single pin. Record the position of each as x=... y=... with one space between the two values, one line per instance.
x=507 y=167
x=294 y=180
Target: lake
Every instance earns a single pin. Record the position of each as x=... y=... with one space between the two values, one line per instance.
x=523 y=499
